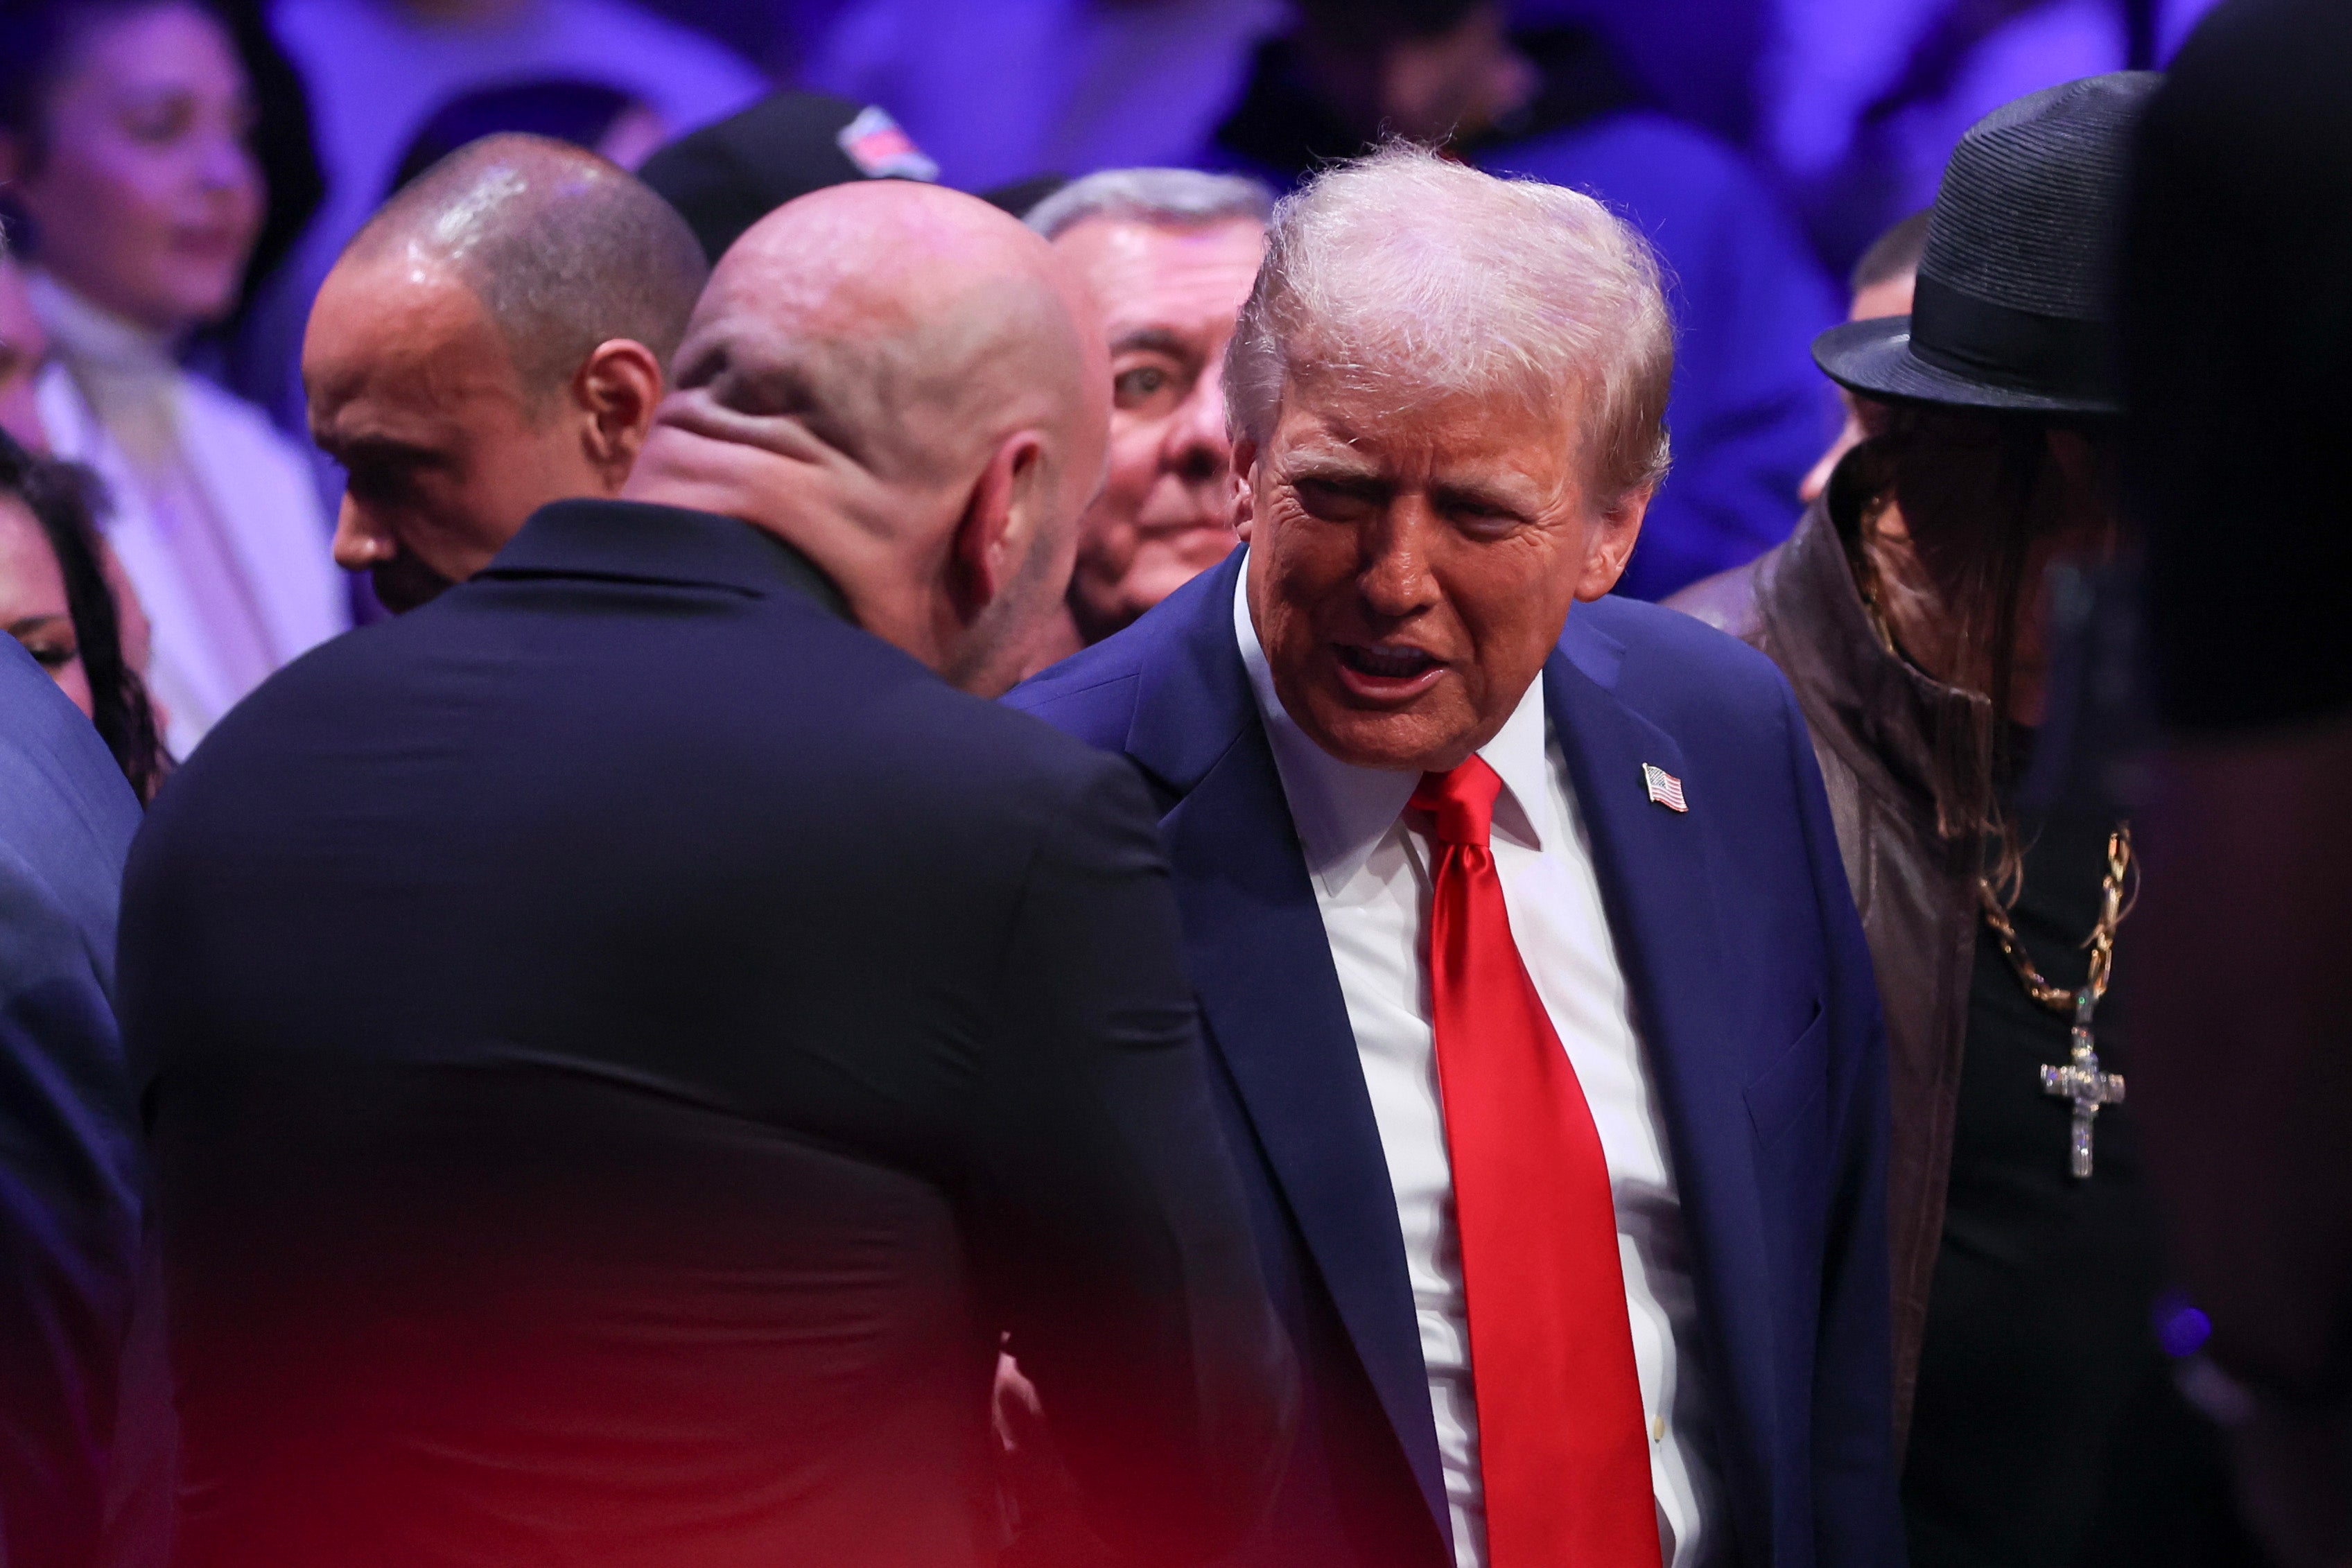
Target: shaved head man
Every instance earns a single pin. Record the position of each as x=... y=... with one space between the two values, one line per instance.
x=492 y=341
x=720 y=1035
x=1170 y=254
x=913 y=390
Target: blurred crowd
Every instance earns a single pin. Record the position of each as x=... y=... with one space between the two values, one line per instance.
x=1989 y=396
x=208 y=170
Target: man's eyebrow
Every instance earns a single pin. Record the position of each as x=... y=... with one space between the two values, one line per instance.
x=1153 y=340
x=374 y=446
x=1471 y=496
x=29 y=625
x=1336 y=473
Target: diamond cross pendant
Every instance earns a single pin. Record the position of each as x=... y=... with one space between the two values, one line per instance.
x=2080 y=1081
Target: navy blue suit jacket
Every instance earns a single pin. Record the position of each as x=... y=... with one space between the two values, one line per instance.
x=68 y=1149
x=1754 y=998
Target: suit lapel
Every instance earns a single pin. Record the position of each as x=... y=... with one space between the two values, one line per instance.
x=1261 y=965
x=1659 y=888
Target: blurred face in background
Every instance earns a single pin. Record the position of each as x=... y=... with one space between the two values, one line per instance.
x=1170 y=296
x=33 y=607
x=1889 y=297
x=143 y=196
x=1433 y=80
x=24 y=348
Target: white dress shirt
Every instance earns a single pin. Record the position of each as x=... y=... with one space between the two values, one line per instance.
x=211 y=511
x=1370 y=869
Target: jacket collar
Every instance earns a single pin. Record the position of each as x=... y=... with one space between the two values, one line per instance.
x=1343 y=811
x=637 y=541
x=1261 y=963
x=1277 y=1020
x=1193 y=698
x=1934 y=741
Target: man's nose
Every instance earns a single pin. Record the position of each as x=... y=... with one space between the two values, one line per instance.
x=1198 y=447
x=224 y=163
x=359 y=544
x=1394 y=577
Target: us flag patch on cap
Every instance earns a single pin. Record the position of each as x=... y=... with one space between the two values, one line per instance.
x=1665 y=788
x=876 y=144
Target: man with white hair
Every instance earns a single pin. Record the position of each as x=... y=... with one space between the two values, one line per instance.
x=1515 y=911
x=1169 y=254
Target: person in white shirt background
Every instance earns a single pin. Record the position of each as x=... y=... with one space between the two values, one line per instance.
x=123 y=146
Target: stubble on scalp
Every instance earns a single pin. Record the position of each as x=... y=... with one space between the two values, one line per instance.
x=564 y=249
x=911 y=347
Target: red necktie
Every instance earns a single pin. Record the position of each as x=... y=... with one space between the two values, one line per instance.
x=1563 y=1445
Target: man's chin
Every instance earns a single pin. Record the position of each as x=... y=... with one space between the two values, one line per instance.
x=1422 y=737
x=403 y=583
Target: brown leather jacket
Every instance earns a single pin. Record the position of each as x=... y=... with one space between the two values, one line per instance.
x=1886 y=735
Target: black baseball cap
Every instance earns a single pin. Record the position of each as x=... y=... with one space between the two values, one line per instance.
x=728 y=175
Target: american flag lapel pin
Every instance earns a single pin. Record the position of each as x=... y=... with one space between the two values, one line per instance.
x=1665 y=788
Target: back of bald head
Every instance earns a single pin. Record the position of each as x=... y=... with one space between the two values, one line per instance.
x=907 y=327
x=565 y=250
x=911 y=388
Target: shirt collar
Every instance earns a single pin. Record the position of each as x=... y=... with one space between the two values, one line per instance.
x=1342 y=811
x=95 y=335
x=641 y=541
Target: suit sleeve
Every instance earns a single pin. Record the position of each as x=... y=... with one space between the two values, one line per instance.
x=1857 y=1520
x=1113 y=1230
x=68 y=1228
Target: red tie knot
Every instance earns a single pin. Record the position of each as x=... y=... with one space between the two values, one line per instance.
x=1461 y=801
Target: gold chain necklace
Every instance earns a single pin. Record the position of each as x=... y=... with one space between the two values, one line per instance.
x=2102 y=943
x=2080 y=1081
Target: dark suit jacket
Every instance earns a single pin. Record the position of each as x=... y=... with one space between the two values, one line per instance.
x=69 y=1149
x=621 y=1046
x=1753 y=993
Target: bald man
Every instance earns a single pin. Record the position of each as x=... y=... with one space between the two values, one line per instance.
x=492 y=341
x=627 y=1042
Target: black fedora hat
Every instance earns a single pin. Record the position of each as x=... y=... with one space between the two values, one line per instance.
x=2011 y=308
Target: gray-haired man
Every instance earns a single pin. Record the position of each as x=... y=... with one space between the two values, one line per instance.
x=1168 y=254
x=1545 y=1029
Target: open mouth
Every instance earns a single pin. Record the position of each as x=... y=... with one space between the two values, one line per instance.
x=1377 y=670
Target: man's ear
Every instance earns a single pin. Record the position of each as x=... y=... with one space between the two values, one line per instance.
x=618 y=389
x=1002 y=514
x=1614 y=532
x=1245 y=499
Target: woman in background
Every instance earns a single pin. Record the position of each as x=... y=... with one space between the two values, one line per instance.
x=122 y=142
x=53 y=599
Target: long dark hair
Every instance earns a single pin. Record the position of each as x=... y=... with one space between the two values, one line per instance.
x=59 y=496
x=1982 y=578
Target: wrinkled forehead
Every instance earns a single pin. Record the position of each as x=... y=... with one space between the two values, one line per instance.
x=1190 y=279
x=1388 y=410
